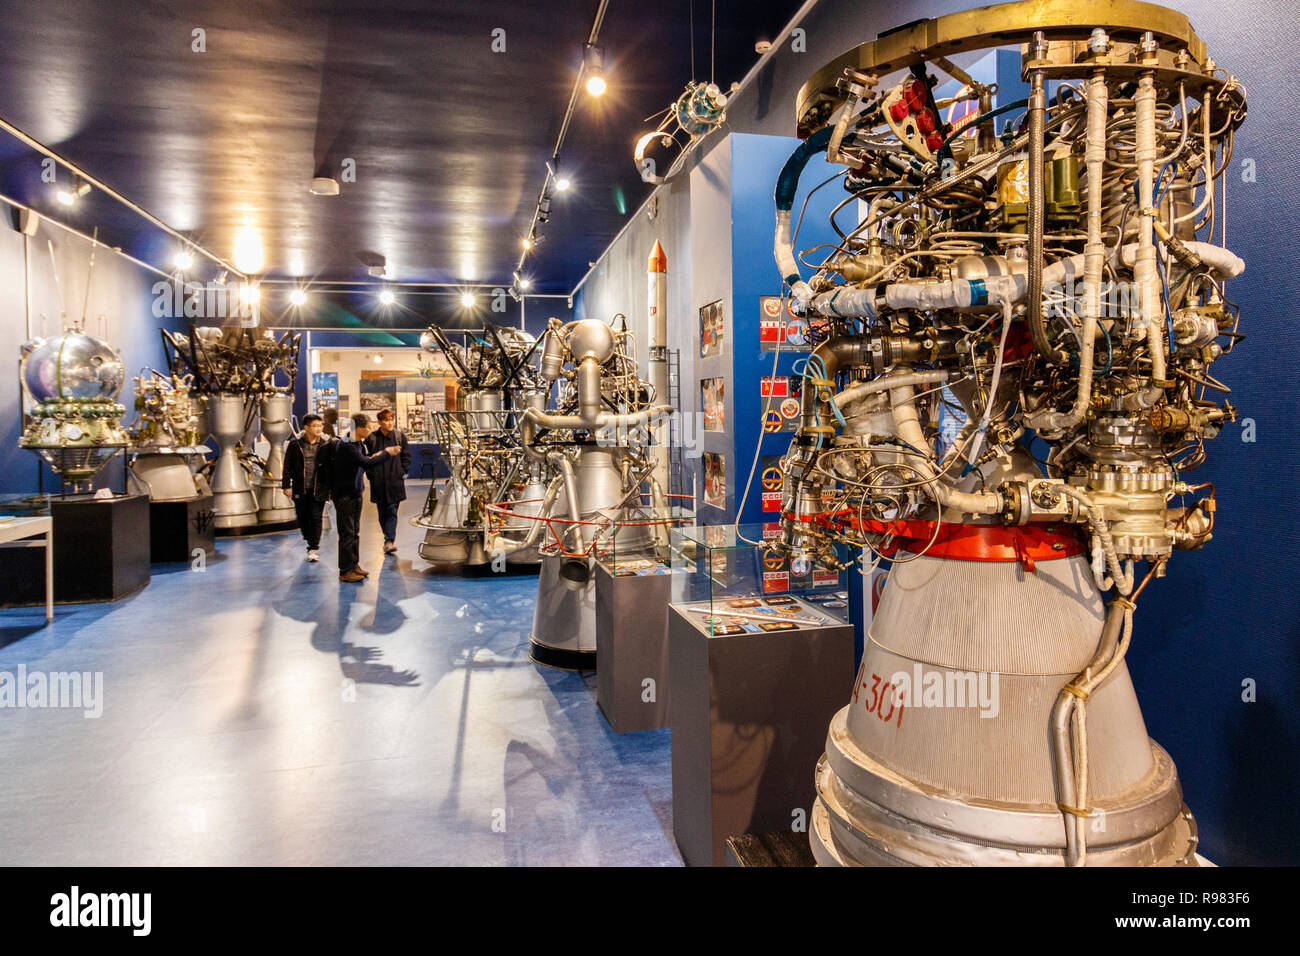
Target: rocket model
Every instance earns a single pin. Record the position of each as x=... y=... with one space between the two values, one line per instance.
x=657 y=304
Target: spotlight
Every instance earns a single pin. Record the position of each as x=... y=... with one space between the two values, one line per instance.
x=562 y=183
x=528 y=243
x=250 y=294
x=593 y=61
x=183 y=261
x=379 y=358
x=70 y=195
x=297 y=297
x=386 y=297
x=525 y=282
x=467 y=300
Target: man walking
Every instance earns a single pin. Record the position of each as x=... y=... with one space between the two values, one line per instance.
x=350 y=462
x=388 y=479
x=307 y=464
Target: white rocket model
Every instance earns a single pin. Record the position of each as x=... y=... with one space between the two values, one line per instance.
x=657 y=303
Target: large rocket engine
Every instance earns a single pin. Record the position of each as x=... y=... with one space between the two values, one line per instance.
x=596 y=440
x=1046 y=268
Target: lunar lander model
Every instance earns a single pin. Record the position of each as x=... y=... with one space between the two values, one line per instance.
x=480 y=447
x=246 y=377
x=595 y=439
x=1058 y=274
x=76 y=424
x=166 y=452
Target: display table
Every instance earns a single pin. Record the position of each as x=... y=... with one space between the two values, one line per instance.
x=749 y=713
x=21 y=533
x=179 y=528
x=101 y=552
x=632 y=648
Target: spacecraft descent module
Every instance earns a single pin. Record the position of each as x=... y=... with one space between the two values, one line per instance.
x=596 y=440
x=1058 y=275
x=244 y=374
x=166 y=442
x=479 y=444
x=76 y=424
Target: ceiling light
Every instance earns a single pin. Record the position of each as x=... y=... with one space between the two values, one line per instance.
x=467 y=300
x=297 y=297
x=324 y=186
x=528 y=243
x=379 y=357
x=386 y=297
x=593 y=61
x=562 y=183
x=183 y=260
x=249 y=294
x=525 y=282
x=248 y=250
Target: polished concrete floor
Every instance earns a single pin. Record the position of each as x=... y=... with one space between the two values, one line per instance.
x=261 y=712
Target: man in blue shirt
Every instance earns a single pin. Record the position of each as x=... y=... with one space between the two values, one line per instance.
x=350 y=463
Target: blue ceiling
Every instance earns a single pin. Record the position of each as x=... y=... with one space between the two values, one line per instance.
x=449 y=138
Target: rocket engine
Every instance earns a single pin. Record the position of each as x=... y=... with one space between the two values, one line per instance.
x=1041 y=275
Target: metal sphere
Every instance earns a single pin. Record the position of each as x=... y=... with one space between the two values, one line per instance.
x=72 y=366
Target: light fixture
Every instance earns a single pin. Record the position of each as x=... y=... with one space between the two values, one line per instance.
x=250 y=294
x=525 y=282
x=467 y=300
x=528 y=242
x=562 y=183
x=386 y=297
x=248 y=250
x=70 y=195
x=379 y=358
x=324 y=186
x=183 y=260
x=297 y=297
x=593 y=61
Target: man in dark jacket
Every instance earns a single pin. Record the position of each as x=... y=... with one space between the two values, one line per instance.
x=388 y=479
x=308 y=460
x=350 y=463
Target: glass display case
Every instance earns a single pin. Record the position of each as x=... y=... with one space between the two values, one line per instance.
x=732 y=581
x=24 y=506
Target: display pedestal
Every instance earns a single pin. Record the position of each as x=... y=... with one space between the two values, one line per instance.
x=749 y=715
x=101 y=553
x=632 y=647
x=178 y=528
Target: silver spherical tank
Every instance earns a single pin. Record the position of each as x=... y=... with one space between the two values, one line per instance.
x=234 y=503
x=75 y=424
x=273 y=505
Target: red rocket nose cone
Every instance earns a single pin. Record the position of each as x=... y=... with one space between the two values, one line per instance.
x=658 y=261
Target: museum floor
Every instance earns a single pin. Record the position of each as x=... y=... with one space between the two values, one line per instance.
x=261 y=712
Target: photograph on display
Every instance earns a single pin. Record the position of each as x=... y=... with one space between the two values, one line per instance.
x=715 y=479
x=711 y=329
x=713 y=402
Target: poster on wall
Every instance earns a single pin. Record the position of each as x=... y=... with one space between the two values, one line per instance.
x=771 y=481
x=713 y=402
x=788 y=331
x=782 y=400
x=324 y=391
x=715 y=479
x=711 y=329
x=377 y=393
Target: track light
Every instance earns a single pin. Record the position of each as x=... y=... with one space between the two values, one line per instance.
x=386 y=297
x=528 y=243
x=250 y=294
x=467 y=300
x=593 y=60
x=297 y=297
x=183 y=260
x=525 y=282
x=379 y=358
x=71 y=194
